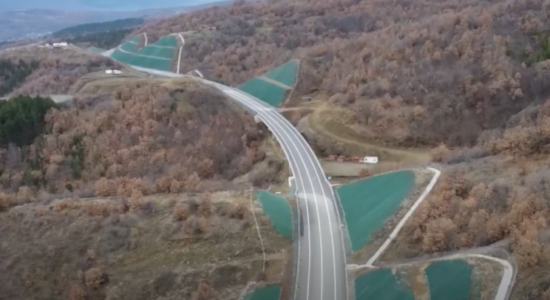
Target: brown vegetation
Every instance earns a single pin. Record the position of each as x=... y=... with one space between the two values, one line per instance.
x=58 y=69
x=463 y=213
x=412 y=72
x=150 y=139
x=125 y=255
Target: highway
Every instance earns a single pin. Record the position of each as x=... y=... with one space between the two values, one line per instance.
x=321 y=271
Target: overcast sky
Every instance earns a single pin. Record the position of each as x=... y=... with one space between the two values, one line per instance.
x=96 y=4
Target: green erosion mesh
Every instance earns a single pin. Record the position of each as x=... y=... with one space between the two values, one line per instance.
x=167 y=41
x=381 y=284
x=140 y=61
x=449 y=280
x=136 y=39
x=285 y=74
x=151 y=56
x=368 y=203
x=157 y=51
x=129 y=47
x=270 y=292
x=279 y=212
x=265 y=91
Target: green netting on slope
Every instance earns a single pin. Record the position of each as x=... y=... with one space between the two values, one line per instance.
x=136 y=39
x=167 y=41
x=129 y=47
x=279 y=212
x=285 y=74
x=145 y=62
x=158 y=52
x=381 y=284
x=368 y=203
x=449 y=280
x=270 y=292
x=152 y=63
x=265 y=91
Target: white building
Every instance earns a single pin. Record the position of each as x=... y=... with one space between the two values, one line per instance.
x=60 y=45
x=370 y=160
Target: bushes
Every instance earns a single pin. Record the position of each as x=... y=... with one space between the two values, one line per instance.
x=95 y=278
x=22 y=119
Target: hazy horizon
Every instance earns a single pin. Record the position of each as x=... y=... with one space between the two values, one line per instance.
x=97 y=5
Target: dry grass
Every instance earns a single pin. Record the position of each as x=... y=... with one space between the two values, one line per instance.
x=136 y=255
x=332 y=122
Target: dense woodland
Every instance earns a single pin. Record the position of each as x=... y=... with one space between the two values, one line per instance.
x=22 y=119
x=54 y=71
x=101 y=27
x=471 y=65
x=14 y=73
x=148 y=140
x=103 y=40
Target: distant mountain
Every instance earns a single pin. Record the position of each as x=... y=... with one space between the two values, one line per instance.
x=33 y=23
x=102 y=5
x=89 y=28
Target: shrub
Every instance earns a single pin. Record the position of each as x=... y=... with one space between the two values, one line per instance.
x=439 y=153
x=95 y=278
x=204 y=292
x=180 y=212
x=76 y=293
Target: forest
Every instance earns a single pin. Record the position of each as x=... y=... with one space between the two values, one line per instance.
x=103 y=40
x=145 y=139
x=51 y=71
x=13 y=74
x=90 y=28
x=22 y=119
x=471 y=65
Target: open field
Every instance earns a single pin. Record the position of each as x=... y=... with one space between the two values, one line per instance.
x=331 y=122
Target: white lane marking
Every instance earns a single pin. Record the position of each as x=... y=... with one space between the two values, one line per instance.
x=316 y=164
x=314 y=195
x=244 y=98
x=319 y=169
x=325 y=200
x=300 y=178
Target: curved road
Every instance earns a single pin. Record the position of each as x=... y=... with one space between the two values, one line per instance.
x=321 y=271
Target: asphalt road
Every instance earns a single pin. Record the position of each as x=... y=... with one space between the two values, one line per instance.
x=321 y=271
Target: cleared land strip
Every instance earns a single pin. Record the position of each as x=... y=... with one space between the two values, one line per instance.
x=282 y=85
